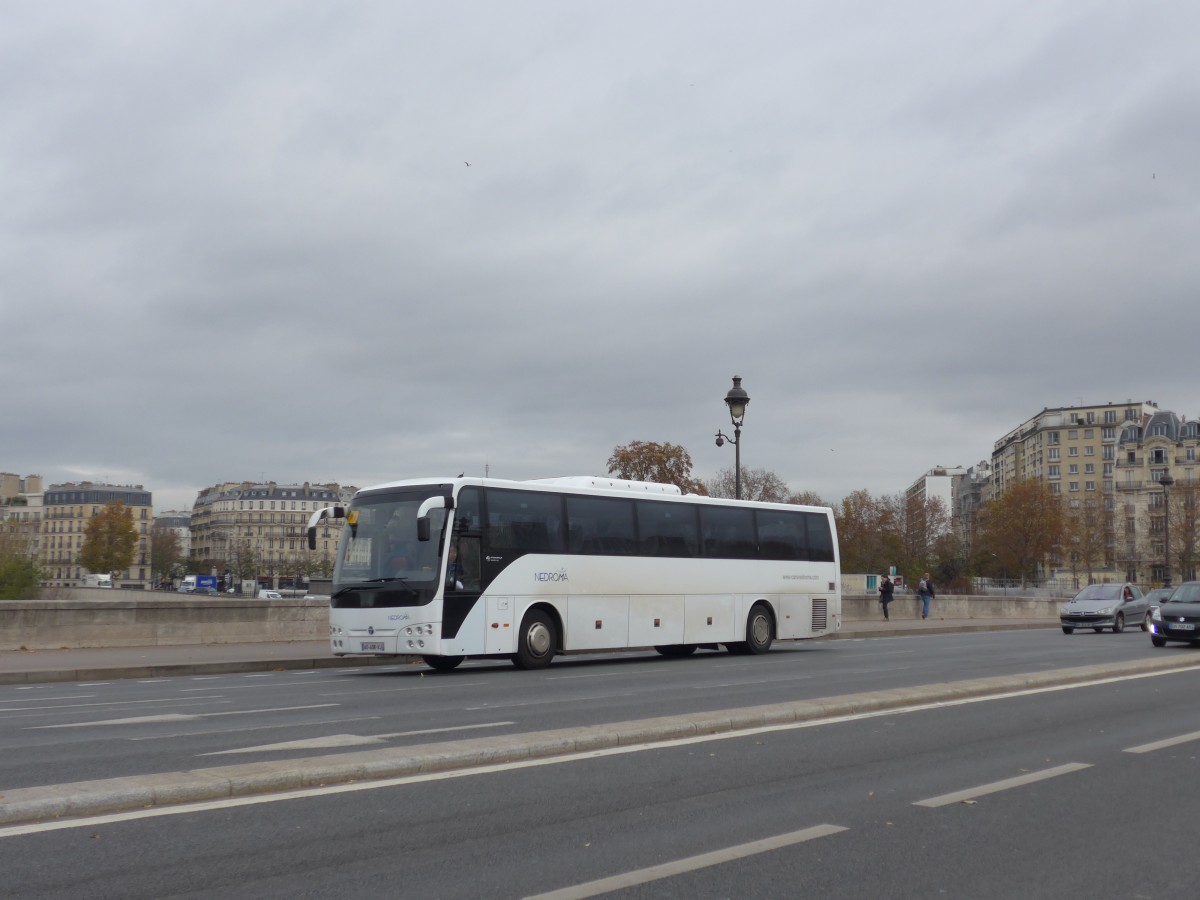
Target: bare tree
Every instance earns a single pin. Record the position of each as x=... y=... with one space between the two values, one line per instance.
x=1086 y=526
x=661 y=463
x=164 y=552
x=1023 y=527
x=757 y=484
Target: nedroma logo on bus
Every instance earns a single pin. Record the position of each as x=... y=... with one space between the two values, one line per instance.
x=560 y=575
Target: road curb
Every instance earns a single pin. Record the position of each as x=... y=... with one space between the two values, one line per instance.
x=113 y=795
x=175 y=670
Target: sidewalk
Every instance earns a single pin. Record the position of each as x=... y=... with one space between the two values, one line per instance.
x=101 y=663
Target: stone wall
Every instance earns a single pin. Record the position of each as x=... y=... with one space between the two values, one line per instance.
x=94 y=617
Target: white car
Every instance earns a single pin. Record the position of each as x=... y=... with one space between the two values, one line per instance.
x=270 y=595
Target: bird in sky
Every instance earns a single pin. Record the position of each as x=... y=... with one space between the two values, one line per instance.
x=467 y=164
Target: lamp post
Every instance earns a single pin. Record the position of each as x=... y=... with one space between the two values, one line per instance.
x=737 y=400
x=1166 y=481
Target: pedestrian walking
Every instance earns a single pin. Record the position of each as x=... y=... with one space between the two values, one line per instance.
x=926 y=592
x=886 y=590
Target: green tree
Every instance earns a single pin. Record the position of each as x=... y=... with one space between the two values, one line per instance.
x=664 y=463
x=1022 y=527
x=20 y=573
x=110 y=540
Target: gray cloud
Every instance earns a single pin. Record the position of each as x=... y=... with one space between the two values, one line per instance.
x=243 y=241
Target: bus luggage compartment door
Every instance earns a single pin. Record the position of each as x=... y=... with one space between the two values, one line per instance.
x=499 y=626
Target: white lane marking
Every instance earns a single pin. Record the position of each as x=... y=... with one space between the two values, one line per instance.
x=243 y=687
x=350 y=740
x=488 y=706
x=1163 y=744
x=406 y=690
x=690 y=864
x=728 y=684
x=208 y=732
x=34 y=699
x=107 y=703
x=997 y=786
x=181 y=717
x=327 y=742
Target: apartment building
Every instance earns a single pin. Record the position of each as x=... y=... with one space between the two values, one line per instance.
x=1108 y=461
x=178 y=522
x=1071 y=448
x=259 y=530
x=939 y=483
x=1155 y=474
x=66 y=511
x=21 y=511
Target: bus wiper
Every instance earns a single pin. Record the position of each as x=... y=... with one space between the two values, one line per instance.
x=375 y=584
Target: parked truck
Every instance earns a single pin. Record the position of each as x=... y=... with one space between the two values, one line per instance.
x=97 y=581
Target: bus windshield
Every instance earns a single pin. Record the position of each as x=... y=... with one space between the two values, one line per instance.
x=379 y=545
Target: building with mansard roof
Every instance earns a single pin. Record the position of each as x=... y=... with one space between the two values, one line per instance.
x=66 y=511
x=257 y=532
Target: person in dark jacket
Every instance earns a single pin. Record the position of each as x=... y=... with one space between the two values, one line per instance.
x=886 y=590
x=926 y=592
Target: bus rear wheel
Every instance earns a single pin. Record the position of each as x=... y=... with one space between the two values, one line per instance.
x=676 y=649
x=759 y=630
x=443 y=663
x=535 y=641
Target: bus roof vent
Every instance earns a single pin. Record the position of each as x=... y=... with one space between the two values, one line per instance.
x=609 y=484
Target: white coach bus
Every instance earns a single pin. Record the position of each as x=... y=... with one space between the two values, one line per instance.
x=451 y=568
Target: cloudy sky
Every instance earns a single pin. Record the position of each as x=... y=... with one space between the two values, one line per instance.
x=359 y=241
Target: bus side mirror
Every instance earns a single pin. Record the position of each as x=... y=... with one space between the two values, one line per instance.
x=425 y=509
x=338 y=512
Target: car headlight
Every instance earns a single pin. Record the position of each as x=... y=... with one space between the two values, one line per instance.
x=1156 y=615
x=1105 y=611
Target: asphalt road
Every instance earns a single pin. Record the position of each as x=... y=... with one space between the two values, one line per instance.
x=67 y=732
x=1072 y=792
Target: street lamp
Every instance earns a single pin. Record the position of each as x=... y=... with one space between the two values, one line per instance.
x=737 y=400
x=1166 y=481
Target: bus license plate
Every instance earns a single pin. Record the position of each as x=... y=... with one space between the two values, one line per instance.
x=1181 y=626
x=372 y=646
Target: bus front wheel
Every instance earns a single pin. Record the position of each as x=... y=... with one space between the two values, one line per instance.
x=535 y=641
x=443 y=663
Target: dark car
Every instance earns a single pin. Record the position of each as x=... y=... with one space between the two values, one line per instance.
x=1178 y=619
x=1158 y=596
x=205 y=590
x=1101 y=606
